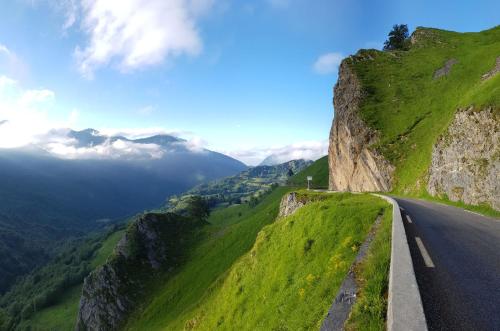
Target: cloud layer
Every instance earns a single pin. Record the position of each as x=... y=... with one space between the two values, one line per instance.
x=132 y=34
x=327 y=63
x=309 y=150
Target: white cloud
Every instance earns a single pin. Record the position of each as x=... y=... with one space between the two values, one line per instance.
x=132 y=34
x=24 y=113
x=10 y=63
x=118 y=149
x=146 y=110
x=4 y=50
x=309 y=150
x=70 y=9
x=6 y=81
x=327 y=63
x=31 y=97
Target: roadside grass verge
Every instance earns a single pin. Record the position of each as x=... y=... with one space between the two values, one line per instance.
x=372 y=275
x=483 y=209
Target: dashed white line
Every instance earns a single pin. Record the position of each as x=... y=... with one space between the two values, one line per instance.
x=408 y=218
x=427 y=258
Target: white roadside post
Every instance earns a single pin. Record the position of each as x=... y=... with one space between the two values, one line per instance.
x=309 y=179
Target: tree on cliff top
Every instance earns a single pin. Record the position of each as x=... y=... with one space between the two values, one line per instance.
x=398 y=38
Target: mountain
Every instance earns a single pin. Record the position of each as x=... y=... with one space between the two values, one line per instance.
x=318 y=170
x=275 y=159
x=424 y=121
x=242 y=187
x=48 y=197
x=270 y=160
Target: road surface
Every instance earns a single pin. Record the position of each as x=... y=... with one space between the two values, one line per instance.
x=456 y=257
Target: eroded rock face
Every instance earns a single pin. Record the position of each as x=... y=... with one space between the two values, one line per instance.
x=353 y=165
x=152 y=243
x=466 y=159
x=289 y=204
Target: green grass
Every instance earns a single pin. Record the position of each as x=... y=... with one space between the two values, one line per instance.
x=372 y=275
x=62 y=315
x=481 y=209
x=319 y=171
x=410 y=109
x=284 y=278
x=227 y=238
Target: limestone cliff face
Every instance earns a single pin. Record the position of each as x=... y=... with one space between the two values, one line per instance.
x=466 y=159
x=353 y=165
x=153 y=243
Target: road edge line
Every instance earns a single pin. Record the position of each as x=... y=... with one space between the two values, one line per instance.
x=404 y=309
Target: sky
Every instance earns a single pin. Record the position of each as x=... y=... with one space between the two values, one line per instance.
x=245 y=78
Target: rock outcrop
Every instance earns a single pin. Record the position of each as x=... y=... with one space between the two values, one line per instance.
x=153 y=243
x=492 y=72
x=290 y=204
x=445 y=70
x=466 y=159
x=353 y=164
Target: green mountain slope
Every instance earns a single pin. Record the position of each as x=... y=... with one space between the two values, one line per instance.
x=284 y=278
x=231 y=234
x=48 y=298
x=240 y=188
x=410 y=107
x=318 y=170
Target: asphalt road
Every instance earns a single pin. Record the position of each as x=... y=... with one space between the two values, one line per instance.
x=456 y=257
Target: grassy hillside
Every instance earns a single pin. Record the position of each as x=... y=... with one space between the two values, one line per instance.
x=232 y=233
x=60 y=283
x=319 y=171
x=283 y=278
x=410 y=108
x=239 y=188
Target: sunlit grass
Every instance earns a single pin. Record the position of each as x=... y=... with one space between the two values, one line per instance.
x=283 y=279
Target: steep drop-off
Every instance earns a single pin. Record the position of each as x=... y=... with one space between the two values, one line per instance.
x=154 y=243
x=354 y=165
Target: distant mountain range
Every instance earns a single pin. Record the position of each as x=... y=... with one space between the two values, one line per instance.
x=72 y=182
x=239 y=188
x=275 y=159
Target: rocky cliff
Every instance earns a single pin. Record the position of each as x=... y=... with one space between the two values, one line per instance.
x=290 y=204
x=466 y=159
x=353 y=164
x=152 y=243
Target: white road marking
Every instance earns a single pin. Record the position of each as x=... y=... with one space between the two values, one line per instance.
x=427 y=259
x=408 y=218
x=402 y=208
x=472 y=212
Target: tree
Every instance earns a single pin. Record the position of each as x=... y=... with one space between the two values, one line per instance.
x=398 y=38
x=198 y=208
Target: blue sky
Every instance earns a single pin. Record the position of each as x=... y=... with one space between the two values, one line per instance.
x=248 y=78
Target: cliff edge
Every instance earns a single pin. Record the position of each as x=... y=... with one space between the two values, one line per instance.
x=353 y=164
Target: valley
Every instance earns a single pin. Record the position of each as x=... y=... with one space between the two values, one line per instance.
x=268 y=222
